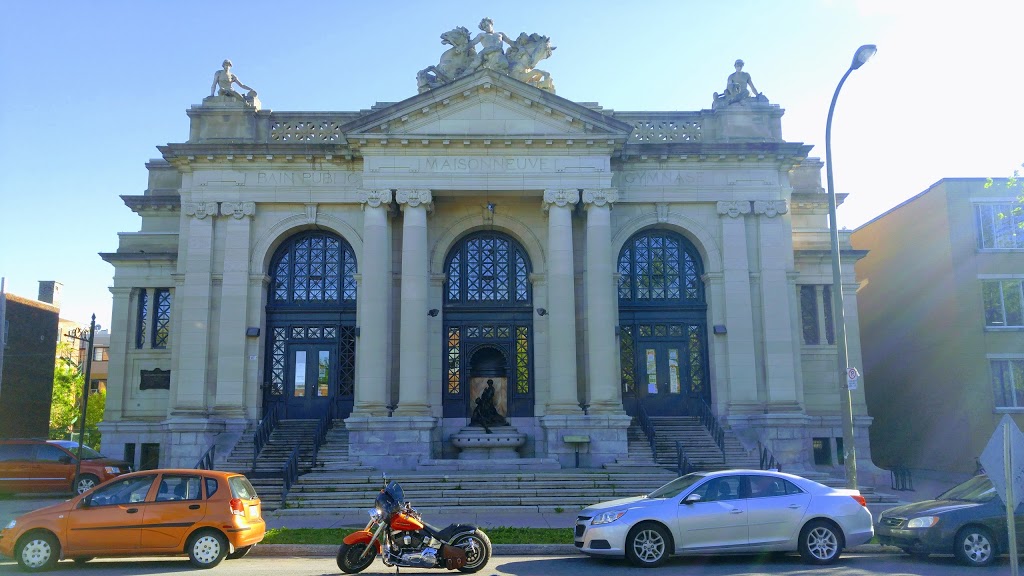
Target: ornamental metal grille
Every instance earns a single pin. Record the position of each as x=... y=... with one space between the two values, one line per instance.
x=696 y=347
x=453 y=360
x=627 y=358
x=488 y=268
x=830 y=326
x=347 y=359
x=140 y=322
x=659 y=267
x=313 y=268
x=162 y=320
x=809 y=314
x=522 y=359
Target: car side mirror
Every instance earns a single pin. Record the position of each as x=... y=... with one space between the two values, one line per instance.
x=65 y=459
x=691 y=499
x=86 y=502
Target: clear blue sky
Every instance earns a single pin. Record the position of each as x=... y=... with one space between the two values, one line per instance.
x=89 y=89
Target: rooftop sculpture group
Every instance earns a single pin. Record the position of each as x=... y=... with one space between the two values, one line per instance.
x=518 y=61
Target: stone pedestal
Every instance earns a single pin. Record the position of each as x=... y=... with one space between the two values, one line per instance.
x=606 y=433
x=476 y=444
x=396 y=443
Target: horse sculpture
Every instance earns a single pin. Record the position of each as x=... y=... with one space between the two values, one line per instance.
x=523 y=56
x=454 y=63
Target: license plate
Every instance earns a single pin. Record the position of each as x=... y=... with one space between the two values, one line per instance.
x=254 y=511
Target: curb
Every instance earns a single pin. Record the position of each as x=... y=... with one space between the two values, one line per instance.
x=331 y=550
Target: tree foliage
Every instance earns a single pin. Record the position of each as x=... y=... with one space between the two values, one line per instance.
x=66 y=402
x=1013 y=183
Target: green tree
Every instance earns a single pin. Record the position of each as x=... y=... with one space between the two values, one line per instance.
x=66 y=401
x=1013 y=182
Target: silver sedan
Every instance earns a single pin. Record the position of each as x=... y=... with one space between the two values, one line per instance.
x=724 y=512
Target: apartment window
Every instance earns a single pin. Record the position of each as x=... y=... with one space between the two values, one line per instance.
x=1004 y=302
x=816 y=314
x=995 y=232
x=162 y=318
x=100 y=354
x=97 y=385
x=140 y=318
x=1008 y=382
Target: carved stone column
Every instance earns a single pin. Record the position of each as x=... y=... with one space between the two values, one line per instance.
x=412 y=353
x=781 y=355
x=563 y=398
x=230 y=400
x=603 y=379
x=194 y=301
x=738 y=309
x=119 y=380
x=373 y=293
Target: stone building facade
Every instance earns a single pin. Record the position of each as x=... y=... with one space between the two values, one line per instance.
x=380 y=266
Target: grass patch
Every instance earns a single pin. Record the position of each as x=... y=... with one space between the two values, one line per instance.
x=499 y=535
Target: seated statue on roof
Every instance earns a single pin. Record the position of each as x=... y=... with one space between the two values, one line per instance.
x=736 y=89
x=225 y=79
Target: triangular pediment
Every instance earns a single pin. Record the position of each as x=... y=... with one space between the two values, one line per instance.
x=487 y=104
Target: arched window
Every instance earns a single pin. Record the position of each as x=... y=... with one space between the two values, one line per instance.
x=659 y=267
x=488 y=268
x=313 y=268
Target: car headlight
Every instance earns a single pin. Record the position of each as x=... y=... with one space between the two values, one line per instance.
x=923 y=522
x=112 y=470
x=606 y=517
x=10 y=525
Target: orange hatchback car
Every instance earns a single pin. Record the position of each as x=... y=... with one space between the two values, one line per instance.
x=206 y=514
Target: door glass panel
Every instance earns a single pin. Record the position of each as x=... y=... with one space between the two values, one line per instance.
x=300 y=373
x=652 y=372
x=322 y=374
x=673 y=370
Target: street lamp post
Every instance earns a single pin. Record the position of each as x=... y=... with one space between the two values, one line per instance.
x=849 y=449
x=88 y=337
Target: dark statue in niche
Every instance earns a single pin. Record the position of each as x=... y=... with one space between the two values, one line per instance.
x=485 y=414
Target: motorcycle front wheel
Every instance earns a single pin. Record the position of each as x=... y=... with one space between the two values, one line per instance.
x=478 y=550
x=348 y=557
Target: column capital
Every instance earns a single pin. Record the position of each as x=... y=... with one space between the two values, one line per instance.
x=199 y=210
x=770 y=208
x=600 y=197
x=238 y=210
x=374 y=198
x=733 y=208
x=560 y=197
x=414 y=197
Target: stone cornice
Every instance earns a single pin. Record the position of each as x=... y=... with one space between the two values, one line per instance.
x=782 y=154
x=124 y=257
x=152 y=203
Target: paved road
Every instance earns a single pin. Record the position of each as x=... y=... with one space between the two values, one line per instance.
x=848 y=565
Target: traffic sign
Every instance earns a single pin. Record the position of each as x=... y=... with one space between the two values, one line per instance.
x=992 y=458
x=851 y=378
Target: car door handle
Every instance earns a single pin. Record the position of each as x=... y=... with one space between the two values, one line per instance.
x=194 y=507
x=795 y=506
x=132 y=510
x=736 y=511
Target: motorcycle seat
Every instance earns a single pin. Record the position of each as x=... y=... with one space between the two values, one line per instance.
x=445 y=534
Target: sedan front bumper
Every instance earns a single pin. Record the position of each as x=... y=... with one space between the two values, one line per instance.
x=601 y=540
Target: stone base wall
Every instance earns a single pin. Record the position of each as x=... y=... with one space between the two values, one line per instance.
x=392 y=443
x=183 y=441
x=606 y=432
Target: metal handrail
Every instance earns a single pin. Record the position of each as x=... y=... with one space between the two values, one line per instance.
x=290 y=472
x=263 y=432
x=683 y=465
x=710 y=422
x=206 y=460
x=768 y=461
x=320 y=436
x=648 y=427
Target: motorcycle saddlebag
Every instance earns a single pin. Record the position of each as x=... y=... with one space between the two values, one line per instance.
x=454 y=557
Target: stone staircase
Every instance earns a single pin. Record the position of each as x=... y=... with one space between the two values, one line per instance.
x=698 y=444
x=428 y=492
x=638 y=452
x=266 y=476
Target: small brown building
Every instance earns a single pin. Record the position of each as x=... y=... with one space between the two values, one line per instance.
x=26 y=382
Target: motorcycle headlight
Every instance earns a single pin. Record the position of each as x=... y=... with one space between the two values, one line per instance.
x=11 y=524
x=923 y=522
x=606 y=517
x=112 y=470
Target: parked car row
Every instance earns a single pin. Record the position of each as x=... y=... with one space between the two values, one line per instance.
x=49 y=466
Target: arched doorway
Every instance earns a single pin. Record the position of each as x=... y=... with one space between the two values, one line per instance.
x=662 y=324
x=488 y=322
x=311 y=312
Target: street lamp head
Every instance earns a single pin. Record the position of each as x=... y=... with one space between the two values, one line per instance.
x=864 y=53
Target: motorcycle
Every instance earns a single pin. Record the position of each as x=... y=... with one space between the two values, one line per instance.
x=398 y=533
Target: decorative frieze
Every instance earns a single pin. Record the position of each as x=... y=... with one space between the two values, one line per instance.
x=305 y=131
x=374 y=198
x=600 y=196
x=561 y=197
x=733 y=208
x=200 y=210
x=414 y=198
x=770 y=208
x=238 y=210
x=648 y=131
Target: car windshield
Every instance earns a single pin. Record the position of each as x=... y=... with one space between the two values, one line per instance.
x=675 y=487
x=87 y=453
x=977 y=489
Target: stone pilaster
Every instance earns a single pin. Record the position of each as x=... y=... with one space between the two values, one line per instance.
x=121 y=340
x=561 y=311
x=412 y=352
x=194 y=301
x=737 y=307
x=234 y=300
x=372 y=343
x=781 y=355
x=603 y=381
